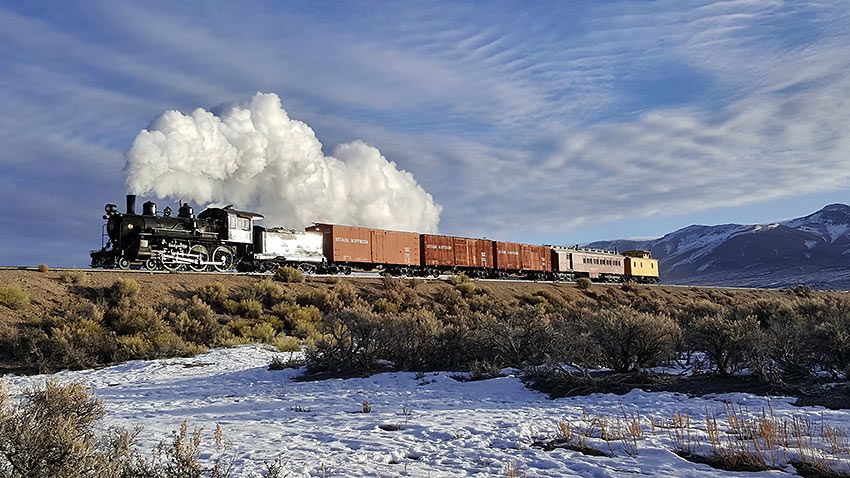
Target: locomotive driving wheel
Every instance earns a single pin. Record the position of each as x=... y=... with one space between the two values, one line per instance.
x=172 y=265
x=151 y=264
x=223 y=258
x=123 y=264
x=204 y=255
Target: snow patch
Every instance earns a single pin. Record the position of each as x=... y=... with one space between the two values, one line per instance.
x=451 y=428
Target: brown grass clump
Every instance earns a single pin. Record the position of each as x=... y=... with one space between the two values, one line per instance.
x=583 y=283
x=741 y=441
x=75 y=277
x=288 y=274
x=14 y=297
x=43 y=268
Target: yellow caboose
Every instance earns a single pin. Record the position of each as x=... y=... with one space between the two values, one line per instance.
x=640 y=267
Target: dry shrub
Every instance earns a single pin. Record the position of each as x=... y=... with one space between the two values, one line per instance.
x=55 y=431
x=75 y=277
x=213 y=294
x=696 y=309
x=195 y=323
x=250 y=308
x=129 y=347
x=466 y=289
x=351 y=341
x=43 y=268
x=300 y=321
x=523 y=337
x=728 y=342
x=458 y=278
x=831 y=344
x=261 y=332
x=384 y=306
x=633 y=340
x=410 y=339
x=284 y=343
x=14 y=297
x=399 y=291
x=78 y=345
x=320 y=299
x=766 y=311
x=51 y=433
x=347 y=293
x=583 y=283
x=182 y=457
x=268 y=292
x=288 y=274
x=123 y=289
x=134 y=320
x=449 y=300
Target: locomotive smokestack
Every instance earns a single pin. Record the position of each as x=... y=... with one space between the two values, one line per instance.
x=131 y=204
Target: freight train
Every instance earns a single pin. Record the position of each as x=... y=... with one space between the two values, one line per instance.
x=223 y=239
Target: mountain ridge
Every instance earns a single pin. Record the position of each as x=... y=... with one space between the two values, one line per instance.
x=812 y=250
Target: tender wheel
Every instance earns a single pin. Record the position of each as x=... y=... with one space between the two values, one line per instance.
x=223 y=258
x=204 y=256
x=151 y=264
x=123 y=264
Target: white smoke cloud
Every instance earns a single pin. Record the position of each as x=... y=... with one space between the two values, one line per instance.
x=254 y=156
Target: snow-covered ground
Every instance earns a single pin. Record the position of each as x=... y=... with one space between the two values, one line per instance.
x=448 y=428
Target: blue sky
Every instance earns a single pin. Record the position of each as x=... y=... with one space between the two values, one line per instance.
x=561 y=122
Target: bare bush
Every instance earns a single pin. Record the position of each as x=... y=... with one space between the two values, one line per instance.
x=351 y=341
x=633 y=340
x=725 y=340
x=43 y=268
x=51 y=433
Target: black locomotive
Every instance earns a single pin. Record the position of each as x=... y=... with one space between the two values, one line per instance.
x=217 y=239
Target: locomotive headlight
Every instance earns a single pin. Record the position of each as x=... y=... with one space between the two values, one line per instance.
x=110 y=209
x=129 y=227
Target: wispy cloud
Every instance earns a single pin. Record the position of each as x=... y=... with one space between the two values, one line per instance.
x=503 y=114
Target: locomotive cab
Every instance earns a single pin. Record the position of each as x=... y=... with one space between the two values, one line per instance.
x=234 y=226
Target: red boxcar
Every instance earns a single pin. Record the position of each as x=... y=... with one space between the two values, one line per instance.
x=477 y=253
x=393 y=247
x=507 y=255
x=437 y=250
x=345 y=243
x=535 y=258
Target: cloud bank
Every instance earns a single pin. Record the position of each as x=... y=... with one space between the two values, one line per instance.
x=255 y=156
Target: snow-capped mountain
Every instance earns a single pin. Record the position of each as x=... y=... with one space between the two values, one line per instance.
x=812 y=250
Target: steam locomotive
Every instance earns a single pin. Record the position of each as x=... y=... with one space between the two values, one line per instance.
x=224 y=239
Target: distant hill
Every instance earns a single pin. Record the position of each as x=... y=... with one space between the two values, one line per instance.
x=812 y=250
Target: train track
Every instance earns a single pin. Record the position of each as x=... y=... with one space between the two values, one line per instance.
x=361 y=275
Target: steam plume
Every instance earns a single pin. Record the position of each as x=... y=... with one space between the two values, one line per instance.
x=254 y=156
